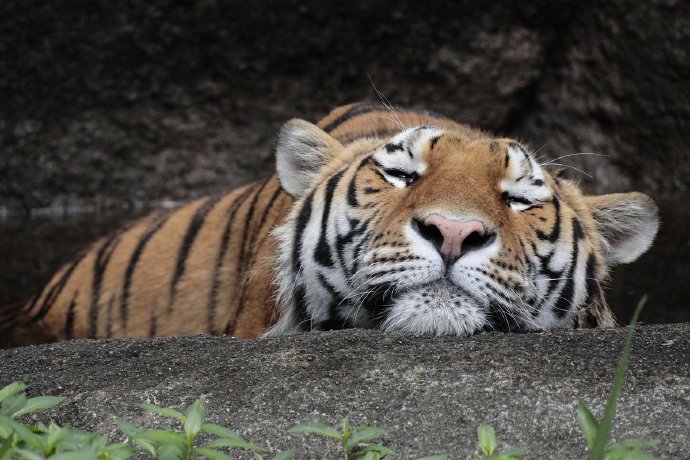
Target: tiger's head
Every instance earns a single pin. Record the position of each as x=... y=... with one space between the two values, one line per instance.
x=434 y=232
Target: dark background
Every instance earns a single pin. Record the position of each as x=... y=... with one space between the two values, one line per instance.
x=105 y=106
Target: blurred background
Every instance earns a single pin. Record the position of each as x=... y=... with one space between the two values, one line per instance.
x=108 y=109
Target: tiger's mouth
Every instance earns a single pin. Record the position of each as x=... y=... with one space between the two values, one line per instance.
x=438 y=308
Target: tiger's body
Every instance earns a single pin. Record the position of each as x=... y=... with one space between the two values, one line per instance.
x=357 y=229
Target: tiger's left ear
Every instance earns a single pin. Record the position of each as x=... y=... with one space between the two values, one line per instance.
x=627 y=223
x=303 y=149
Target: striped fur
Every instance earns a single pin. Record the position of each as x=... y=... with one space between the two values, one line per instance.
x=218 y=264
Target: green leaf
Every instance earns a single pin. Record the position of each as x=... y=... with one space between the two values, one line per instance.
x=365 y=434
x=28 y=455
x=606 y=423
x=38 y=404
x=162 y=436
x=286 y=455
x=212 y=454
x=378 y=449
x=5 y=448
x=118 y=451
x=219 y=431
x=515 y=452
x=129 y=429
x=623 y=453
x=346 y=426
x=588 y=424
x=147 y=445
x=195 y=416
x=22 y=432
x=371 y=455
x=636 y=444
x=12 y=404
x=232 y=442
x=487 y=439
x=11 y=390
x=318 y=428
x=81 y=454
x=171 y=451
x=164 y=411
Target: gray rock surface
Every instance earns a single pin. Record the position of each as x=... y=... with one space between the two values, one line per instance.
x=110 y=102
x=433 y=392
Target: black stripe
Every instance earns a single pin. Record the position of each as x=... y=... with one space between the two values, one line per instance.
x=132 y=265
x=109 y=317
x=377 y=301
x=356 y=229
x=241 y=263
x=153 y=323
x=240 y=308
x=189 y=237
x=268 y=208
x=493 y=147
x=566 y=298
x=556 y=232
x=224 y=244
x=322 y=254
x=591 y=281
x=100 y=264
x=434 y=140
x=303 y=317
x=357 y=250
x=302 y=221
x=354 y=111
x=69 y=323
x=352 y=187
x=392 y=148
x=57 y=288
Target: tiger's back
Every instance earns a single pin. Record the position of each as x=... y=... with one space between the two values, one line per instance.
x=205 y=267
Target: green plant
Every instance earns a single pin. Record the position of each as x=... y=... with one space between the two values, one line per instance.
x=597 y=433
x=352 y=440
x=38 y=442
x=170 y=444
x=487 y=442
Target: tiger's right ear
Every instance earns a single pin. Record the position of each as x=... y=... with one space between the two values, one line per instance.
x=303 y=149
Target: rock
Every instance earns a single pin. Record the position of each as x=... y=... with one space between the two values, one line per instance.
x=107 y=103
x=433 y=392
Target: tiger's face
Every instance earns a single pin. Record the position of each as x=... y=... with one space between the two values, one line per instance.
x=435 y=233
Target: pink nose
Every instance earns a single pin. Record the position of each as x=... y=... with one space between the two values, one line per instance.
x=454 y=235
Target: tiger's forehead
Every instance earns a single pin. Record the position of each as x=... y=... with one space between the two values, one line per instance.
x=416 y=148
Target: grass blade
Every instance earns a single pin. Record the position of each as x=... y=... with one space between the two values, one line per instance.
x=365 y=434
x=231 y=442
x=588 y=424
x=319 y=428
x=11 y=389
x=195 y=417
x=220 y=431
x=164 y=411
x=38 y=404
x=27 y=454
x=606 y=423
x=212 y=454
x=487 y=439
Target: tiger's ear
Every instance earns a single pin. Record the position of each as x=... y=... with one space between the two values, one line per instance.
x=627 y=223
x=303 y=149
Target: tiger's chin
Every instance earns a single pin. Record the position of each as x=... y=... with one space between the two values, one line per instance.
x=436 y=309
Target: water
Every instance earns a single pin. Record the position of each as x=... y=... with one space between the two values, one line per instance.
x=31 y=249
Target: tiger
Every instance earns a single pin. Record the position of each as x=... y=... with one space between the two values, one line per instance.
x=396 y=220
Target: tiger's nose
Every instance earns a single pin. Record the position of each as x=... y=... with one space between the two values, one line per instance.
x=452 y=238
